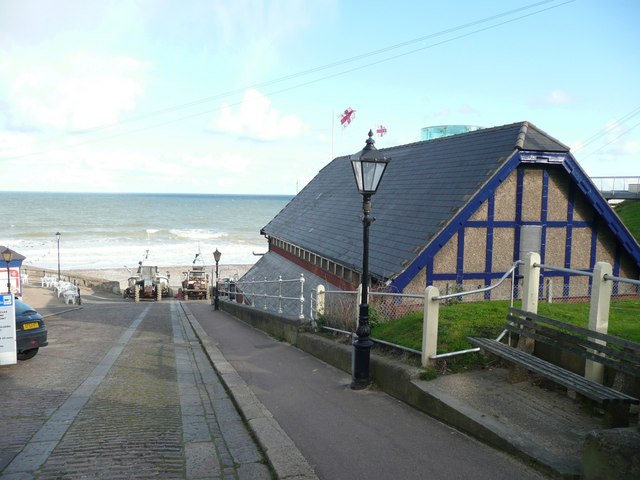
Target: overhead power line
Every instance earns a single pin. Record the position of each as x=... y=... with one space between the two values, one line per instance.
x=609 y=128
x=303 y=73
x=611 y=141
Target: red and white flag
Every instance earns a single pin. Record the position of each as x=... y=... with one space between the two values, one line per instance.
x=346 y=117
x=381 y=130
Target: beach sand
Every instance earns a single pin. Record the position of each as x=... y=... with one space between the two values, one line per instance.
x=175 y=273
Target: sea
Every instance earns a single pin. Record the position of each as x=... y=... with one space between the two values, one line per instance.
x=115 y=230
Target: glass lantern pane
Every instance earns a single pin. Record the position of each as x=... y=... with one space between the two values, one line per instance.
x=357 y=172
x=372 y=173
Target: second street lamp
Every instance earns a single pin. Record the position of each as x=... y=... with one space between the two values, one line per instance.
x=7 y=256
x=58 y=238
x=368 y=168
x=216 y=257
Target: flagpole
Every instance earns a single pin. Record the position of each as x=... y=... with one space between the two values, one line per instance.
x=333 y=122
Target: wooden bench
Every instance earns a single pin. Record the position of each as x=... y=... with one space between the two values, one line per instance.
x=612 y=352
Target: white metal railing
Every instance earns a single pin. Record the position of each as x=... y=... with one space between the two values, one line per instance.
x=612 y=184
x=618 y=188
x=507 y=274
x=318 y=303
x=431 y=300
x=601 y=290
x=255 y=290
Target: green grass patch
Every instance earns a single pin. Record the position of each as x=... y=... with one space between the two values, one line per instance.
x=629 y=213
x=487 y=319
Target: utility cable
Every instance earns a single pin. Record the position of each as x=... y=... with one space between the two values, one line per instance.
x=307 y=72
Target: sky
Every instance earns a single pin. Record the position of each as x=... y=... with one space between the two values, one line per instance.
x=245 y=96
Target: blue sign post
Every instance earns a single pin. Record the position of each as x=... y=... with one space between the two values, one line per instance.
x=8 y=348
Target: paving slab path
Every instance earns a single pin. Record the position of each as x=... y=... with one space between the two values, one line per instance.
x=125 y=391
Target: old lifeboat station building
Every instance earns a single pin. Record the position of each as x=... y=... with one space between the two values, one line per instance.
x=452 y=211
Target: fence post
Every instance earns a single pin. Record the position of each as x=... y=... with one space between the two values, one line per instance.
x=279 y=293
x=531 y=282
x=265 y=293
x=301 y=316
x=320 y=301
x=530 y=292
x=599 y=314
x=430 y=325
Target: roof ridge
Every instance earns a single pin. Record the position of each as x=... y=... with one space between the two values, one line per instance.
x=481 y=131
x=522 y=135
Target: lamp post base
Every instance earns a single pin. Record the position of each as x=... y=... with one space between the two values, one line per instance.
x=360 y=377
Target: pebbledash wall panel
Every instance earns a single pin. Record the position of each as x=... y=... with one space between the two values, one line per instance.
x=536 y=208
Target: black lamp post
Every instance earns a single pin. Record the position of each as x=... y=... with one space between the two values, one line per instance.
x=7 y=256
x=368 y=167
x=216 y=256
x=58 y=238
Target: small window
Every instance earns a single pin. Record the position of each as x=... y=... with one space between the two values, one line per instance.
x=530 y=239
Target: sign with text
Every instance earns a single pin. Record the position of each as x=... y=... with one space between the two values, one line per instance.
x=8 y=348
x=13 y=278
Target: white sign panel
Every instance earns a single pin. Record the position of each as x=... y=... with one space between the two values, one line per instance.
x=14 y=279
x=8 y=349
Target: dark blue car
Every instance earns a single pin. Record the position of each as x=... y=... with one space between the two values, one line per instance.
x=31 y=334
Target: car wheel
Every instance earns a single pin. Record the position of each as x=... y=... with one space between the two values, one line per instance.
x=27 y=354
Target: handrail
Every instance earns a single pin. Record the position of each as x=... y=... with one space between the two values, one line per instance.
x=621 y=279
x=564 y=270
x=611 y=278
x=279 y=296
x=481 y=290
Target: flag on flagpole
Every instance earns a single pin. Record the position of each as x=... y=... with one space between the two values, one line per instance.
x=381 y=130
x=346 y=117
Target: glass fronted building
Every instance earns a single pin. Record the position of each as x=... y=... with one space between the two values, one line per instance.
x=439 y=131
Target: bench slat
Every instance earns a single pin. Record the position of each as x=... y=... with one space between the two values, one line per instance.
x=574 y=328
x=611 y=362
x=552 y=333
x=595 y=391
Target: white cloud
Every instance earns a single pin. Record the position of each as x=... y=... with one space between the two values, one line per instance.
x=15 y=143
x=256 y=118
x=554 y=97
x=77 y=93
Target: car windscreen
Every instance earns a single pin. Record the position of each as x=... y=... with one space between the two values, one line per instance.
x=22 y=308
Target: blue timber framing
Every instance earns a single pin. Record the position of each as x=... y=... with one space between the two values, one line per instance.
x=580 y=181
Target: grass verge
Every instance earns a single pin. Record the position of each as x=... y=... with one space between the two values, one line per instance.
x=487 y=319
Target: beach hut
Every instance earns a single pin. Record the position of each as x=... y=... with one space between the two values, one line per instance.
x=14 y=277
x=455 y=212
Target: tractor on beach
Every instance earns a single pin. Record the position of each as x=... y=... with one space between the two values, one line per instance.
x=147 y=283
x=195 y=282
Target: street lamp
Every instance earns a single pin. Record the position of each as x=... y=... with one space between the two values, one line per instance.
x=368 y=167
x=58 y=238
x=216 y=256
x=7 y=256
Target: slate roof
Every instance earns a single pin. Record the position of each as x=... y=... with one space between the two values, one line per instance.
x=425 y=185
x=16 y=256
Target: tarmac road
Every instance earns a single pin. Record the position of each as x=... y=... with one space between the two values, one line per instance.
x=123 y=390
x=343 y=433
x=128 y=390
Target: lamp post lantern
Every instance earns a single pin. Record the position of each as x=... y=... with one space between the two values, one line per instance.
x=58 y=238
x=368 y=168
x=216 y=257
x=7 y=256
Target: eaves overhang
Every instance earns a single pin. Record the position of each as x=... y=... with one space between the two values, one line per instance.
x=450 y=229
x=571 y=166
